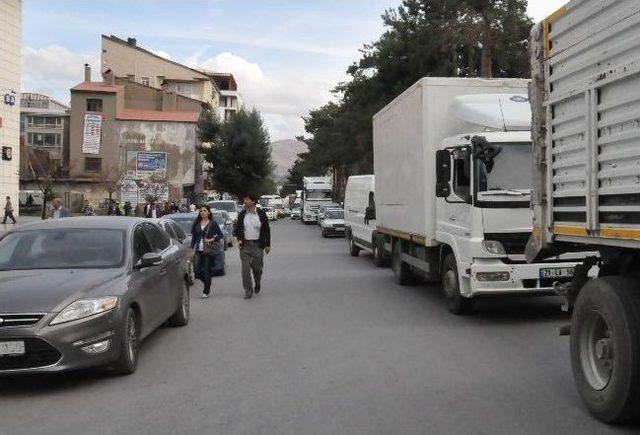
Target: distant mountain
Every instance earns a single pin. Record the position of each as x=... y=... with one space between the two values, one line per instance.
x=284 y=153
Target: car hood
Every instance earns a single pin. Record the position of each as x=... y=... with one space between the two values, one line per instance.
x=44 y=291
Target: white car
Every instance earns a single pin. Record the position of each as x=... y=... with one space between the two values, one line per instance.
x=333 y=222
x=272 y=213
x=225 y=205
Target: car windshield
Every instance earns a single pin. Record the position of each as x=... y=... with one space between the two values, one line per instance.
x=62 y=248
x=318 y=194
x=334 y=214
x=185 y=222
x=266 y=209
x=223 y=205
x=511 y=169
x=219 y=218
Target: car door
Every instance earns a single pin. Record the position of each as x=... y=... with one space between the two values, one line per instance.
x=169 y=270
x=145 y=282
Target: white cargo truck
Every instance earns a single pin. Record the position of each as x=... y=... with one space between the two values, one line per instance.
x=585 y=99
x=360 y=218
x=452 y=163
x=316 y=191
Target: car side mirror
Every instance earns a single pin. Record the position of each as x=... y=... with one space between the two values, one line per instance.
x=149 y=259
x=443 y=173
x=370 y=214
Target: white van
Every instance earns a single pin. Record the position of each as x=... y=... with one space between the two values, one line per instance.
x=360 y=218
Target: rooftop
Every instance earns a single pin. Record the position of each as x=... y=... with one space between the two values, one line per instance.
x=97 y=87
x=157 y=115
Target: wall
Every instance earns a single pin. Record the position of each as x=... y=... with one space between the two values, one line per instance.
x=10 y=48
x=177 y=139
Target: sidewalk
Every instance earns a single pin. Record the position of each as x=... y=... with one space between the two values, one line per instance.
x=22 y=220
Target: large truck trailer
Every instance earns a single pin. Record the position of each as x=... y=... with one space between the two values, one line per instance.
x=452 y=163
x=585 y=99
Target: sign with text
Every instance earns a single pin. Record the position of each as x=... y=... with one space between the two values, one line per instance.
x=151 y=163
x=92 y=134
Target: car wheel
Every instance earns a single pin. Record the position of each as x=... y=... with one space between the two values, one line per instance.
x=127 y=362
x=456 y=303
x=378 y=253
x=324 y=234
x=181 y=316
x=354 y=249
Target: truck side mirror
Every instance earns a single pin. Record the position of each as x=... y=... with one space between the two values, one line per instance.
x=370 y=214
x=443 y=173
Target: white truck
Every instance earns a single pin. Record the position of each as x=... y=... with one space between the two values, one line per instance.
x=360 y=218
x=452 y=164
x=585 y=99
x=316 y=192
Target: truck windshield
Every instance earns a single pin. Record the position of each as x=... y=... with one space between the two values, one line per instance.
x=511 y=169
x=318 y=194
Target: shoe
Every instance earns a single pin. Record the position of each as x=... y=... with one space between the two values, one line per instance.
x=205 y=296
x=247 y=295
x=257 y=289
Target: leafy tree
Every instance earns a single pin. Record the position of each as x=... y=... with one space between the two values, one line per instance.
x=239 y=154
x=450 y=38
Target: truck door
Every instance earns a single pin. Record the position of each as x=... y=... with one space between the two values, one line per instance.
x=457 y=208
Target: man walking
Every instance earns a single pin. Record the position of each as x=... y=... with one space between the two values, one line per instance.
x=8 y=211
x=254 y=239
x=58 y=211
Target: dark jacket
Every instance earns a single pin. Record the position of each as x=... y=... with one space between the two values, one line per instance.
x=213 y=229
x=265 y=231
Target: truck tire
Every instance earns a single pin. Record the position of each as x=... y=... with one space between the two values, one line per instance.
x=456 y=303
x=354 y=249
x=379 y=259
x=401 y=270
x=605 y=348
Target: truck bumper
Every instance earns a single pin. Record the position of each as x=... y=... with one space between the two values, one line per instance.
x=522 y=278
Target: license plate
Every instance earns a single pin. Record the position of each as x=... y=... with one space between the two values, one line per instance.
x=556 y=272
x=11 y=348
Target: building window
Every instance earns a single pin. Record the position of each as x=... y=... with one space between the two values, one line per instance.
x=144 y=81
x=228 y=114
x=92 y=164
x=94 y=105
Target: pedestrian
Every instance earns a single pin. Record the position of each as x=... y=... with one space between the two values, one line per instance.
x=205 y=242
x=116 y=208
x=254 y=239
x=192 y=208
x=8 y=211
x=58 y=211
x=150 y=210
x=127 y=208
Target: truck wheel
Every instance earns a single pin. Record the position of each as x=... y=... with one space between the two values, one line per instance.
x=378 y=252
x=605 y=348
x=456 y=303
x=401 y=270
x=354 y=249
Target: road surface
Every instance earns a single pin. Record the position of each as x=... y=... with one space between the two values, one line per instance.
x=331 y=346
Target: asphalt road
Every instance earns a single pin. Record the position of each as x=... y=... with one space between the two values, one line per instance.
x=331 y=346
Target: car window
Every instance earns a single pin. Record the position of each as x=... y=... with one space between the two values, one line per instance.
x=169 y=229
x=180 y=234
x=159 y=239
x=141 y=245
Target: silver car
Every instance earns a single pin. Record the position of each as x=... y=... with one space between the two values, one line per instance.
x=84 y=291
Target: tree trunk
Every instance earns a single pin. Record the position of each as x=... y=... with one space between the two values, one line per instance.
x=486 y=67
x=43 y=215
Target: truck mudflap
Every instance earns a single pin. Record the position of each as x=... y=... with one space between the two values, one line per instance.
x=493 y=276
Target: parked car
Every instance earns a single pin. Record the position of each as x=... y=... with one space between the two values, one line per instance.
x=176 y=232
x=228 y=206
x=333 y=222
x=84 y=291
x=295 y=213
x=223 y=219
x=287 y=212
x=185 y=221
x=271 y=212
x=323 y=208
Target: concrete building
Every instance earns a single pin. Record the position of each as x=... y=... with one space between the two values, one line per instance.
x=44 y=126
x=10 y=59
x=128 y=60
x=124 y=131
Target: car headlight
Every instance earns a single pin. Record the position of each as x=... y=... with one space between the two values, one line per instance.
x=84 y=308
x=494 y=247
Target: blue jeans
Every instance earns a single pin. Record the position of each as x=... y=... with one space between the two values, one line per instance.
x=202 y=267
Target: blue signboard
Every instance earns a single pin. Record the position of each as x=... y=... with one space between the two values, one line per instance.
x=151 y=162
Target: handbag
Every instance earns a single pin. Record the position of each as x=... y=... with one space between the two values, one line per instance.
x=210 y=248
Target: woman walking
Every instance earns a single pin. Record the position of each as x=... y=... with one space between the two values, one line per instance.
x=205 y=242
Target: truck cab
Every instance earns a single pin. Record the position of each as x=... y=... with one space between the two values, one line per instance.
x=317 y=191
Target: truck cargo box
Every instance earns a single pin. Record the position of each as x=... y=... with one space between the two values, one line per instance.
x=409 y=130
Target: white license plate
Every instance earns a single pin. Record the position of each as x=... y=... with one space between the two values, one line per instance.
x=556 y=272
x=11 y=348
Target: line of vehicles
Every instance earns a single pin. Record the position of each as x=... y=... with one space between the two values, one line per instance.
x=468 y=191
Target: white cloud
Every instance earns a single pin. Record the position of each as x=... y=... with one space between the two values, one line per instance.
x=540 y=9
x=54 y=69
x=282 y=98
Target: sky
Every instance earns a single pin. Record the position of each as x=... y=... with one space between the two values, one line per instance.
x=286 y=55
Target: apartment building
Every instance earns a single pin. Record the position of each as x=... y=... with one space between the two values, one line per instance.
x=10 y=58
x=125 y=130
x=126 y=59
